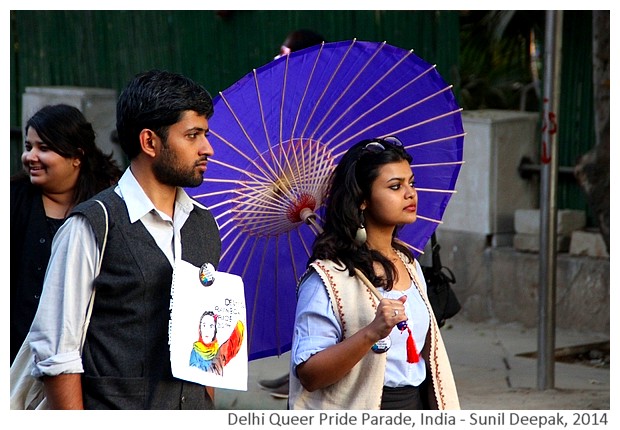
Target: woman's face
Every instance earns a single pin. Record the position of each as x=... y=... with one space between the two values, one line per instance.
x=207 y=328
x=47 y=169
x=393 y=198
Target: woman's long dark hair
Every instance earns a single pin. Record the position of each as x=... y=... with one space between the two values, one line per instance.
x=350 y=185
x=65 y=130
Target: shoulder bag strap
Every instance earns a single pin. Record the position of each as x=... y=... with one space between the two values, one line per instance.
x=92 y=297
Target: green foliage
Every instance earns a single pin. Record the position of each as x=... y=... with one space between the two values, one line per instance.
x=500 y=59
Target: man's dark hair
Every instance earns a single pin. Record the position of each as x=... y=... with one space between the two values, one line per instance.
x=156 y=100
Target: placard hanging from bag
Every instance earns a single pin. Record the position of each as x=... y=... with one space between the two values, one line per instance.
x=207 y=332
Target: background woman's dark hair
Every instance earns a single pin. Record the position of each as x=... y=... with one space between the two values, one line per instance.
x=350 y=185
x=65 y=130
x=302 y=38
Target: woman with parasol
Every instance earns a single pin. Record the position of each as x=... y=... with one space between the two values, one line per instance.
x=365 y=336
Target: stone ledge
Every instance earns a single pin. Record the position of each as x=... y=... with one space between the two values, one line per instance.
x=527 y=221
x=503 y=283
x=588 y=243
x=531 y=243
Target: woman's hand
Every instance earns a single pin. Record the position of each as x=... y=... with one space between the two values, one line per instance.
x=389 y=313
x=332 y=364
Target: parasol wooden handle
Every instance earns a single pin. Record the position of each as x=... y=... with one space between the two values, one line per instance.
x=368 y=284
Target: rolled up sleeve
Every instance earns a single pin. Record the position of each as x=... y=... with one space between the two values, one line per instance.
x=316 y=325
x=56 y=333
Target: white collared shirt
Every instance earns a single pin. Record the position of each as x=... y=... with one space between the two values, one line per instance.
x=56 y=332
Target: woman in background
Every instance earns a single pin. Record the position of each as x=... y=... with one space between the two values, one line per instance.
x=299 y=39
x=62 y=167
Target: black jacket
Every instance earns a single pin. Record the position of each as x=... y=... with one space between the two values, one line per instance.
x=31 y=243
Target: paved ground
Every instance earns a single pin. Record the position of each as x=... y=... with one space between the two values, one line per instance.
x=490 y=375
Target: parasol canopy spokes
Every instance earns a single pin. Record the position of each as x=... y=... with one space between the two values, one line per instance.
x=277 y=135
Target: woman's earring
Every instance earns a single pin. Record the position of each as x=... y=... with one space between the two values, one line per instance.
x=360 y=234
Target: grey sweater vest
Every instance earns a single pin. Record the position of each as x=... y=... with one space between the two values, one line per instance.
x=126 y=356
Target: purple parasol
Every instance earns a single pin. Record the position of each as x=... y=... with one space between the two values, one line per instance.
x=277 y=134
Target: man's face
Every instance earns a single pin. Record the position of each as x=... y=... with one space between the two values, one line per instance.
x=182 y=161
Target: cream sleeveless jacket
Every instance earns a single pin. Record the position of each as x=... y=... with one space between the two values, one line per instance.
x=355 y=306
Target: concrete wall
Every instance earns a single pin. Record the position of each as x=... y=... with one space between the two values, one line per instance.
x=489 y=188
x=501 y=283
x=495 y=281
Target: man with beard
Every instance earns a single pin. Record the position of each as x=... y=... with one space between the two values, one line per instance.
x=162 y=124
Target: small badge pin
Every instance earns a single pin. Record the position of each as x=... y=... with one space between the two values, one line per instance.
x=207 y=274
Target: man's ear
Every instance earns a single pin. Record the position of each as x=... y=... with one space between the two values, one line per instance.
x=149 y=142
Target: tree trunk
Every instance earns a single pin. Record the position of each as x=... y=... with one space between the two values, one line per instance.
x=592 y=169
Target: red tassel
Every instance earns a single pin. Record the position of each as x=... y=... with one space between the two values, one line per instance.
x=412 y=353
